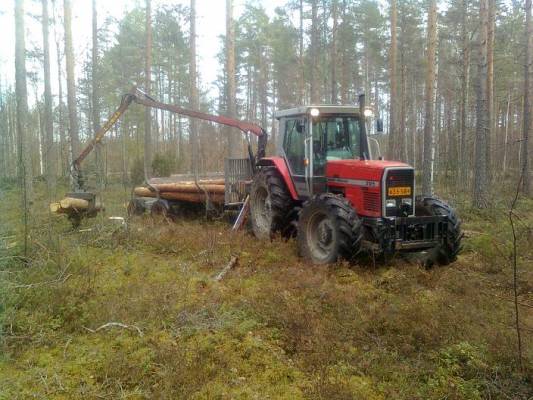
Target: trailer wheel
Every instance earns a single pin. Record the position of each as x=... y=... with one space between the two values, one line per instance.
x=271 y=205
x=160 y=211
x=136 y=207
x=329 y=229
x=446 y=252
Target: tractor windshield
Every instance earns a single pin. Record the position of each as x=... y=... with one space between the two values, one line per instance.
x=335 y=138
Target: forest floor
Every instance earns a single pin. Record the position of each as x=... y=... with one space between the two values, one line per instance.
x=273 y=327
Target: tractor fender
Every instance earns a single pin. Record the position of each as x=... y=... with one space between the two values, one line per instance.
x=280 y=164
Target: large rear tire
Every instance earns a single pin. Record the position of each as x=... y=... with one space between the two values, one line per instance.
x=271 y=205
x=446 y=252
x=329 y=229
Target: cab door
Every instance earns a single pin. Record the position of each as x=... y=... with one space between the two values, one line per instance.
x=296 y=149
x=317 y=180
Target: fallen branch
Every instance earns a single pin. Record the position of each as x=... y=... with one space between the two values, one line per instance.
x=115 y=324
x=226 y=269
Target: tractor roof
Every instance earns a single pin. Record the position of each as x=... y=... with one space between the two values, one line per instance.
x=323 y=108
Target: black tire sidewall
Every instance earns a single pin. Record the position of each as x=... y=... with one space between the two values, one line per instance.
x=308 y=212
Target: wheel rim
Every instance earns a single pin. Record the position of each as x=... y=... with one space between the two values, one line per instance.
x=262 y=211
x=320 y=236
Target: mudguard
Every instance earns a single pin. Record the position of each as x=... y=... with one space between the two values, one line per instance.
x=281 y=166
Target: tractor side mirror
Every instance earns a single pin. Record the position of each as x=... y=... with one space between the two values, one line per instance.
x=379 y=125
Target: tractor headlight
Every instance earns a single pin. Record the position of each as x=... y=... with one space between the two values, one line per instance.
x=390 y=203
x=315 y=112
x=408 y=201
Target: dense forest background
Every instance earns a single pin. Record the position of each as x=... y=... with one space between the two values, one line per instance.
x=451 y=80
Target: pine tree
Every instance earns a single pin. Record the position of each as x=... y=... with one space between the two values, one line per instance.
x=528 y=82
x=73 y=128
x=429 y=149
x=48 y=154
x=148 y=89
x=480 y=158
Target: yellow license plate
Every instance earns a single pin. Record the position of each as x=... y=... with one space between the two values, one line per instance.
x=400 y=191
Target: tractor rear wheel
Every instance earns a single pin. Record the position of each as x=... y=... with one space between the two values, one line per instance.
x=329 y=229
x=271 y=205
x=446 y=252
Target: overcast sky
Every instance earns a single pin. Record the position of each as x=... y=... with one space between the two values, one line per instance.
x=210 y=24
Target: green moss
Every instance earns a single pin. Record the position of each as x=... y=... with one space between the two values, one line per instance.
x=274 y=327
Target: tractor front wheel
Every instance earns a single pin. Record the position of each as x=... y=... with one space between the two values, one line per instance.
x=328 y=229
x=446 y=252
x=271 y=205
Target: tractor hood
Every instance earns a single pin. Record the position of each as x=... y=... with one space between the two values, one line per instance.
x=360 y=169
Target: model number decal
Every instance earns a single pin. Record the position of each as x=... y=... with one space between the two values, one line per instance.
x=354 y=182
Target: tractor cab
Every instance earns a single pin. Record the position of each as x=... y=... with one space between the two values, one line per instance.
x=313 y=136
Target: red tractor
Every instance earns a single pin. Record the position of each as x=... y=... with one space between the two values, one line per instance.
x=322 y=186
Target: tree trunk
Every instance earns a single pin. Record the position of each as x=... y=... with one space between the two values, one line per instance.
x=393 y=56
x=231 y=91
x=490 y=86
x=463 y=103
x=344 y=67
x=148 y=89
x=480 y=195
x=528 y=81
x=315 y=82
x=21 y=92
x=334 y=57
x=62 y=151
x=301 y=74
x=95 y=100
x=506 y=137
x=194 y=91
x=48 y=154
x=71 y=83
x=429 y=149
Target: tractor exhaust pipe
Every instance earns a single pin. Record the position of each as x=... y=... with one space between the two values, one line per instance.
x=364 y=141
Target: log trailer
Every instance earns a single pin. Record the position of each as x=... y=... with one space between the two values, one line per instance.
x=322 y=186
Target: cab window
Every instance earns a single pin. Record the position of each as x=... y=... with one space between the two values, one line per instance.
x=335 y=138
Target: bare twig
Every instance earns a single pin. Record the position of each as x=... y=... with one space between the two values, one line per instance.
x=228 y=267
x=115 y=324
x=61 y=279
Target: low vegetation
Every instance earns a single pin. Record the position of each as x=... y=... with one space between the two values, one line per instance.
x=273 y=327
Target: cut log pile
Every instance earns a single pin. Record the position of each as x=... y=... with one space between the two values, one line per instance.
x=187 y=191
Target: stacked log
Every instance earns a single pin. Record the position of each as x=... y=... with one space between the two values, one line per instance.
x=187 y=191
x=71 y=205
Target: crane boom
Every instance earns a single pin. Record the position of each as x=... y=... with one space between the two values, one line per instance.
x=139 y=97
